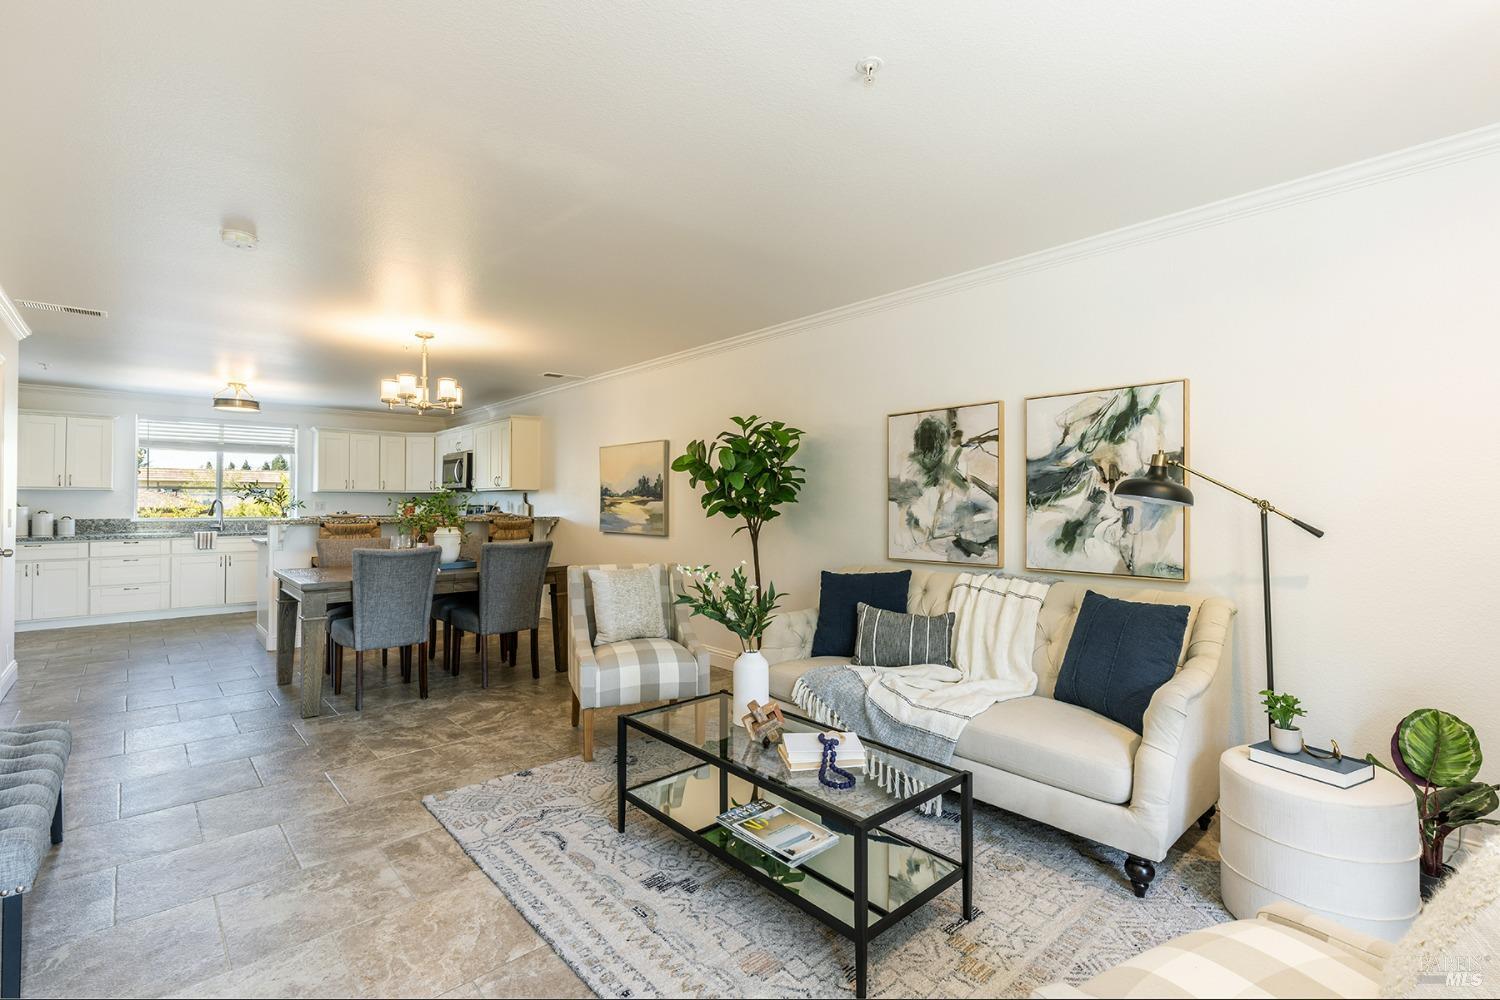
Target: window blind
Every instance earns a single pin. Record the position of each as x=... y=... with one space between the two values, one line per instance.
x=234 y=436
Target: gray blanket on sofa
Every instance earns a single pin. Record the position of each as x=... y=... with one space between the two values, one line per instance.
x=836 y=696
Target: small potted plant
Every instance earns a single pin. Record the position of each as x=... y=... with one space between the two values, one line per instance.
x=745 y=611
x=437 y=518
x=1284 y=709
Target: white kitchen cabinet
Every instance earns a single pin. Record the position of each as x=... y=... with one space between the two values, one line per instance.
x=24 y=603
x=129 y=598
x=392 y=463
x=331 y=462
x=240 y=578
x=42 y=441
x=364 y=463
x=508 y=454
x=484 y=450
x=198 y=580
x=91 y=453
x=52 y=588
x=422 y=470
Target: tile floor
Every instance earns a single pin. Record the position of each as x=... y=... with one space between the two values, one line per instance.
x=219 y=845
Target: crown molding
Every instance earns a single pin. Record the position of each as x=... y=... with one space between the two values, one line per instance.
x=293 y=409
x=12 y=319
x=1375 y=170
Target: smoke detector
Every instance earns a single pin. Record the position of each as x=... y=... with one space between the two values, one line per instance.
x=239 y=239
x=54 y=307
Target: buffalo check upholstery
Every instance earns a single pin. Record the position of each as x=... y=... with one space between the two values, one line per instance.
x=633 y=671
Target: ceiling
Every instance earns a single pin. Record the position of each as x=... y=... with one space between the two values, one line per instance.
x=577 y=185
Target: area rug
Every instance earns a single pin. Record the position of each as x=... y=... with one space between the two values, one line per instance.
x=647 y=914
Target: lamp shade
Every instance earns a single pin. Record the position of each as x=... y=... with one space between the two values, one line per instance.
x=235 y=396
x=390 y=391
x=447 y=390
x=1156 y=486
x=408 y=385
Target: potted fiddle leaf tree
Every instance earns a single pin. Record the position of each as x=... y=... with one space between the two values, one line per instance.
x=1437 y=754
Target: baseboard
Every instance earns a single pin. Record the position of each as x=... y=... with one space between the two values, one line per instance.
x=8 y=677
x=722 y=658
x=131 y=616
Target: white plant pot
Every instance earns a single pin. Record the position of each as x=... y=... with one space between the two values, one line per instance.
x=1286 y=740
x=752 y=682
x=449 y=540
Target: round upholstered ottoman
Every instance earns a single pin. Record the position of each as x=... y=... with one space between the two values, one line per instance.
x=1350 y=854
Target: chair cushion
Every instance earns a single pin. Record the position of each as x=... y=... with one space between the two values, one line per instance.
x=463 y=613
x=1055 y=743
x=1243 y=958
x=636 y=670
x=627 y=604
x=1120 y=653
x=840 y=593
x=341 y=630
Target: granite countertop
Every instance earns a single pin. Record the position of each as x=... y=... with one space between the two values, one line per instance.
x=126 y=536
x=123 y=529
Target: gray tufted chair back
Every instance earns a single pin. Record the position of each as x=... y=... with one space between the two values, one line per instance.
x=393 y=596
x=511 y=576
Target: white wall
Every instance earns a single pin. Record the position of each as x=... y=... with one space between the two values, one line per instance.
x=120 y=502
x=1342 y=357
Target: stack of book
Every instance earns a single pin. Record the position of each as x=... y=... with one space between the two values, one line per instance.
x=1345 y=772
x=803 y=752
x=781 y=833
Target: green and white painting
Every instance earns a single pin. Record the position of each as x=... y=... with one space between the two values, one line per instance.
x=1078 y=445
x=945 y=481
x=633 y=488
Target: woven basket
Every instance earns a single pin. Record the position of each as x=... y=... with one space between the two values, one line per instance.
x=349 y=527
x=510 y=528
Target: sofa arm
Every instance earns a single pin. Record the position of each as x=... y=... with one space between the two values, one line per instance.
x=790 y=636
x=1362 y=946
x=688 y=638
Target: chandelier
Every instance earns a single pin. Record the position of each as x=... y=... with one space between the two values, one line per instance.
x=413 y=391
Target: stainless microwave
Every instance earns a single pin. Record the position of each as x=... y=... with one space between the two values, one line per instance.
x=458 y=470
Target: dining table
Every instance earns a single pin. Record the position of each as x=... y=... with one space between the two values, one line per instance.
x=305 y=595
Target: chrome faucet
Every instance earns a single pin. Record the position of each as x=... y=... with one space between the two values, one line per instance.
x=219 y=506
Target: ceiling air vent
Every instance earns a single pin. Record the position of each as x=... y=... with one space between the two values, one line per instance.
x=559 y=375
x=54 y=307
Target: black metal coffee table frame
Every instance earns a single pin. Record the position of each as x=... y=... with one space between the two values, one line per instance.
x=862 y=932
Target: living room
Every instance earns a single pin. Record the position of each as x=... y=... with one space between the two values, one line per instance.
x=997 y=441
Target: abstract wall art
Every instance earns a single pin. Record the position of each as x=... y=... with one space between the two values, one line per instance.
x=1078 y=445
x=633 y=488
x=945 y=484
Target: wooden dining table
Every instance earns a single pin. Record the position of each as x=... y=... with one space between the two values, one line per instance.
x=305 y=595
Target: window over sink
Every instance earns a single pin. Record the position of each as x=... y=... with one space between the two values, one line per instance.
x=183 y=466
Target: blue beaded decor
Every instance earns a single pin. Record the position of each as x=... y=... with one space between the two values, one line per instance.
x=841 y=779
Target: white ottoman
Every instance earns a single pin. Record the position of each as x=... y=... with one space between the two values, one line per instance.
x=1350 y=854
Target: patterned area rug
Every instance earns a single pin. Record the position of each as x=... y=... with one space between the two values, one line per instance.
x=646 y=914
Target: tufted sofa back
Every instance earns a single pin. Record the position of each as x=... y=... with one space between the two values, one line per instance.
x=1208 y=617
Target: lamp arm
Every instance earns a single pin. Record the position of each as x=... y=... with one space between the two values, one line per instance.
x=1264 y=505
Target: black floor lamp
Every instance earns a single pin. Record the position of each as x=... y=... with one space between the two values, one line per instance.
x=1158 y=486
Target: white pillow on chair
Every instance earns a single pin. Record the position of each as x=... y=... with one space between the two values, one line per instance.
x=627 y=604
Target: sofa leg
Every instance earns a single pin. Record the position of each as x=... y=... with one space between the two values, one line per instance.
x=1207 y=818
x=57 y=817
x=588 y=734
x=1140 y=872
x=10 y=946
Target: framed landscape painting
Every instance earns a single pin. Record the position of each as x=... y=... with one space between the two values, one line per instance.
x=945 y=481
x=633 y=488
x=1078 y=445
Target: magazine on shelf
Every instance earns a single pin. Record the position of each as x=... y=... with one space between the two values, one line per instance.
x=1344 y=773
x=781 y=833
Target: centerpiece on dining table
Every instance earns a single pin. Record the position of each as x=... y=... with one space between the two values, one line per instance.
x=436 y=519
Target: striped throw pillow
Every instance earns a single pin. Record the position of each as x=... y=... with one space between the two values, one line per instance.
x=890 y=639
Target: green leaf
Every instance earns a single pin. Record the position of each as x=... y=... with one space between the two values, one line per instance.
x=1438 y=747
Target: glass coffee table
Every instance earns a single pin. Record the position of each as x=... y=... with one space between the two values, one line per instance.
x=690 y=762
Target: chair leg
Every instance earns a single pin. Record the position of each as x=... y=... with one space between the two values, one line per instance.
x=1207 y=818
x=1140 y=872
x=431 y=632
x=484 y=661
x=575 y=710
x=588 y=734
x=458 y=648
x=450 y=662
x=385 y=658
x=359 y=679
x=422 y=671
x=10 y=946
x=406 y=664
x=536 y=669
x=338 y=668
x=57 y=817
x=479 y=642
x=328 y=657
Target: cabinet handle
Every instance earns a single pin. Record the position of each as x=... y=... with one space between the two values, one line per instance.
x=129 y=560
x=132 y=588
x=59 y=479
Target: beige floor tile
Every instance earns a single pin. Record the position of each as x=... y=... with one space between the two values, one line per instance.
x=228 y=705
x=119 y=722
x=242 y=744
x=363 y=782
x=311 y=970
x=143 y=957
x=428 y=733
x=143 y=795
x=58 y=912
x=153 y=737
x=175 y=695
x=105 y=845
x=166 y=880
x=538 y=973
x=337 y=834
x=289 y=801
x=290 y=909
x=429 y=863
x=90 y=804
x=307 y=763
x=97 y=745
x=125 y=766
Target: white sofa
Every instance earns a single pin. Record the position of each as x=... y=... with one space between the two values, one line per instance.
x=1064 y=765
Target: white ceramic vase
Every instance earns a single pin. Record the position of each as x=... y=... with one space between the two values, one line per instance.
x=1286 y=740
x=449 y=540
x=752 y=682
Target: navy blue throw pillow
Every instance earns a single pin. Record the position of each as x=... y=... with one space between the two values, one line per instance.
x=840 y=592
x=1120 y=653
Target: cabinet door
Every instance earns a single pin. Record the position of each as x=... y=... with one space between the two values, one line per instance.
x=485 y=471
x=392 y=463
x=198 y=580
x=499 y=452
x=522 y=460
x=364 y=463
x=241 y=579
x=42 y=442
x=331 y=464
x=60 y=589
x=421 y=463
x=24 y=607
x=91 y=452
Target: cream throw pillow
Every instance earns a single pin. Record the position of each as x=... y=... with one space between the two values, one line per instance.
x=627 y=604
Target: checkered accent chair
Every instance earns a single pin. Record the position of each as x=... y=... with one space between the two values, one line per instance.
x=633 y=671
x=1284 y=952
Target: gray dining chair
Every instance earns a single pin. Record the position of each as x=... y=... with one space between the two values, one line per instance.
x=339 y=551
x=511 y=576
x=392 y=602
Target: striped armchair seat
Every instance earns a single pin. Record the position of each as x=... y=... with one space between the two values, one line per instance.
x=632 y=671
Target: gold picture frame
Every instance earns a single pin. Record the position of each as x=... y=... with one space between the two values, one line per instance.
x=899 y=549
x=627 y=501
x=1106 y=478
